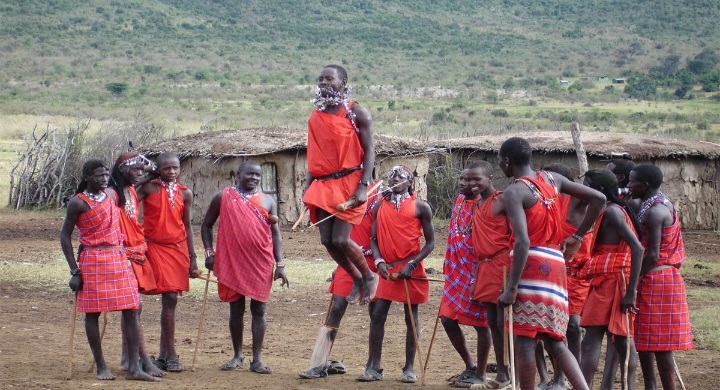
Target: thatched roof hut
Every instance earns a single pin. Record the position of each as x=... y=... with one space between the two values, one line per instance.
x=209 y=161
x=691 y=168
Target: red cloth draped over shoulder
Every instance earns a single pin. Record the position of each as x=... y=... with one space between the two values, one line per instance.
x=333 y=146
x=491 y=240
x=244 y=258
x=166 y=240
x=543 y=219
x=108 y=280
x=398 y=235
x=577 y=288
x=342 y=282
x=134 y=242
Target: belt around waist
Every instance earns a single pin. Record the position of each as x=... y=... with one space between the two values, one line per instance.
x=339 y=174
x=102 y=248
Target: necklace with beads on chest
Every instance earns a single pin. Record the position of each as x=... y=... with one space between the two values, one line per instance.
x=130 y=209
x=99 y=197
x=463 y=214
x=171 y=189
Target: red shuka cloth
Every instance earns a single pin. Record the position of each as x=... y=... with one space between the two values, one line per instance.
x=459 y=269
x=333 y=146
x=342 y=282
x=398 y=236
x=491 y=242
x=166 y=240
x=108 y=280
x=541 y=307
x=577 y=288
x=663 y=320
x=244 y=258
x=135 y=246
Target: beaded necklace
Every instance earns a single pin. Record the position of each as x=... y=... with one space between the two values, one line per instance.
x=245 y=197
x=398 y=199
x=646 y=205
x=129 y=204
x=461 y=213
x=547 y=202
x=99 y=197
x=170 y=188
x=321 y=102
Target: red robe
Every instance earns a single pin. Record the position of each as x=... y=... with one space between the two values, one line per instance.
x=608 y=272
x=663 y=320
x=491 y=241
x=244 y=259
x=134 y=242
x=541 y=307
x=460 y=267
x=333 y=146
x=398 y=236
x=108 y=280
x=577 y=288
x=167 y=240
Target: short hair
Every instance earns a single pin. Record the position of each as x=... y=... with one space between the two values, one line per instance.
x=623 y=166
x=517 y=150
x=87 y=170
x=164 y=156
x=483 y=165
x=341 y=71
x=650 y=174
x=247 y=163
x=606 y=179
x=559 y=168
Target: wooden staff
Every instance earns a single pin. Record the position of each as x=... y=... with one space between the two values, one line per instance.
x=511 y=339
x=206 y=279
x=91 y=366
x=579 y=148
x=300 y=218
x=506 y=356
x=73 y=320
x=351 y=202
x=202 y=320
x=432 y=339
x=396 y=275
x=626 y=317
x=677 y=373
x=414 y=332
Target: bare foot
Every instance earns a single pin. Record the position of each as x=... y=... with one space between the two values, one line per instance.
x=123 y=363
x=356 y=290
x=151 y=369
x=104 y=374
x=370 y=283
x=140 y=376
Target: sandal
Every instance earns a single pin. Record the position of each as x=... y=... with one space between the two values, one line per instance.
x=370 y=375
x=408 y=377
x=174 y=365
x=159 y=363
x=466 y=374
x=468 y=383
x=314 y=373
x=336 y=367
x=260 y=368
x=233 y=365
x=490 y=385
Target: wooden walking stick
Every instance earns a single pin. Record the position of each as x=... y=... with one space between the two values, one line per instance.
x=414 y=332
x=72 y=338
x=91 y=366
x=506 y=356
x=341 y=207
x=511 y=340
x=677 y=373
x=432 y=339
x=299 y=220
x=626 y=317
x=202 y=320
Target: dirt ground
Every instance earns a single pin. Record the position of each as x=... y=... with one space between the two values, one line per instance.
x=35 y=328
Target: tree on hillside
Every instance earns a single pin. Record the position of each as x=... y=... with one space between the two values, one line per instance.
x=704 y=62
x=640 y=86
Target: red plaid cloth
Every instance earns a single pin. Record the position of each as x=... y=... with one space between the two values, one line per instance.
x=108 y=281
x=398 y=235
x=460 y=267
x=244 y=259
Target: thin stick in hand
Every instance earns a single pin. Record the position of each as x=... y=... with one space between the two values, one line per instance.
x=506 y=356
x=73 y=320
x=414 y=332
x=432 y=339
x=202 y=320
x=299 y=220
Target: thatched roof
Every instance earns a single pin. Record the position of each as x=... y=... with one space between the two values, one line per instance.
x=635 y=146
x=254 y=142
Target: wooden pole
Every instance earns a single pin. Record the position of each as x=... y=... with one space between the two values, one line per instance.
x=299 y=220
x=414 y=332
x=579 y=148
x=506 y=351
x=432 y=339
x=73 y=320
x=202 y=320
x=626 y=317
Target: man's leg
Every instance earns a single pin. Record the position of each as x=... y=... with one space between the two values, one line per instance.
x=525 y=358
x=647 y=364
x=541 y=364
x=257 y=310
x=147 y=365
x=364 y=289
x=565 y=361
x=496 y=320
x=591 y=346
x=484 y=341
x=167 y=332
x=134 y=371
x=235 y=324
x=329 y=331
x=93 y=335
x=457 y=339
x=611 y=366
x=666 y=369
x=574 y=338
x=410 y=346
x=377 y=333
x=621 y=345
x=327 y=233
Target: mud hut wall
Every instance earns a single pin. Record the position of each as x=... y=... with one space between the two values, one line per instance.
x=691 y=183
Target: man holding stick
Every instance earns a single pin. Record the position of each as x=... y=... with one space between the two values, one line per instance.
x=399 y=221
x=102 y=278
x=249 y=246
x=459 y=268
x=340 y=158
x=662 y=324
x=537 y=281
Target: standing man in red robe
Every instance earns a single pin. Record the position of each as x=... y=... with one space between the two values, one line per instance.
x=249 y=246
x=537 y=286
x=340 y=158
x=459 y=268
x=102 y=278
x=399 y=222
x=167 y=206
x=662 y=324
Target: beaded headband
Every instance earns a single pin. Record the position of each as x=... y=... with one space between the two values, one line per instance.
x=401 y=170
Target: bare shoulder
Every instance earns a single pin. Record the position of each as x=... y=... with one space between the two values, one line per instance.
x=422 y=207
x=267 y=202
x=362 y=114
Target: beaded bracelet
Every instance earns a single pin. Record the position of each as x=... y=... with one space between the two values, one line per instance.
x=577 y=237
